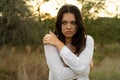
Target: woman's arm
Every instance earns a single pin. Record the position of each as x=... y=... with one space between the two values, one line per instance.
x=56 y=66
x=81 y=64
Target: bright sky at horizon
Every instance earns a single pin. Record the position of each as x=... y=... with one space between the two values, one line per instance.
x=52 y=6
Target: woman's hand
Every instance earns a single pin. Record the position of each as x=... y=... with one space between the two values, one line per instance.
x=91 y=65
x=52 y=39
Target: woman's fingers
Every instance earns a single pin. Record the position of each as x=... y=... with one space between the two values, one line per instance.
x=50 y=38
x=52 y=33
x=91 y=65
x=45 y=38
x=47 y=35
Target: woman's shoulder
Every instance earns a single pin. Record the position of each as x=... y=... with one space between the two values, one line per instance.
x=49 y=46
x=89 y=38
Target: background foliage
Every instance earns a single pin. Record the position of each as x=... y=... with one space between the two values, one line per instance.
x=18 y=25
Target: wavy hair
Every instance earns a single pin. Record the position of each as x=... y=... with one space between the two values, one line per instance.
x=79 y=39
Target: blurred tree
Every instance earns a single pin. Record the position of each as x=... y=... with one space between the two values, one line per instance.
x=15 y=23
x=36 y=6
x=90 y=9
x=18 y=25
x=104 y=30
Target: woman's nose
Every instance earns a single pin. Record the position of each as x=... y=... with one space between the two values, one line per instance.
x=68 y=25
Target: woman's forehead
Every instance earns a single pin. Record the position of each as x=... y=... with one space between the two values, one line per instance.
x=68 y=17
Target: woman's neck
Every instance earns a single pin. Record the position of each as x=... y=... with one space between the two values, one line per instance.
x=68 y=41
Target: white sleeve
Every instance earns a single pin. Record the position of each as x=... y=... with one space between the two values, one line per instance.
x=56 y=66
x=80 y=65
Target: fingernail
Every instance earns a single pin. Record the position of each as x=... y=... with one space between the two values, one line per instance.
x=50 y=31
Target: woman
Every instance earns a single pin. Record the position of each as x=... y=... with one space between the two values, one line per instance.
x=69 y=50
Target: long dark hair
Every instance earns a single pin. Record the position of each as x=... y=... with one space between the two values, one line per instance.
x=79 y=39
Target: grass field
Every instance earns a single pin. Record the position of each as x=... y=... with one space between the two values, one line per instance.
x=27 y=64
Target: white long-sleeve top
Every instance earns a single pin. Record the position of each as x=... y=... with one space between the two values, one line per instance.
x=79 y=66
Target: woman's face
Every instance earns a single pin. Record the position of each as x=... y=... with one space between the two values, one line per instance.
x=68 y=25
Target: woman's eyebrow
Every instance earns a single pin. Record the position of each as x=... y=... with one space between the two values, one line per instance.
x=69 y=21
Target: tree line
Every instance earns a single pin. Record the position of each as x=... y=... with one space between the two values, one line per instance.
x=18 y=26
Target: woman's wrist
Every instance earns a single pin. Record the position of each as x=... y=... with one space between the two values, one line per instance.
x=59 y=45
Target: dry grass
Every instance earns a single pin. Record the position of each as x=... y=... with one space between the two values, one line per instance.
x=109 y=69
x=26 y=64
x=22 y=65
x=107 y=65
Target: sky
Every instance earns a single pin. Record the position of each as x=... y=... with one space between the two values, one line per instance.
x=52 y=6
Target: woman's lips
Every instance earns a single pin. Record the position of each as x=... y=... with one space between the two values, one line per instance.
x=68 y=32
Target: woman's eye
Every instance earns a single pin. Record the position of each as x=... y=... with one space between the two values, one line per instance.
x=73 y=23
x=63 y=23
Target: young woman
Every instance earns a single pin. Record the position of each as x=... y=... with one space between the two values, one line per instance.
x=69 y=50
